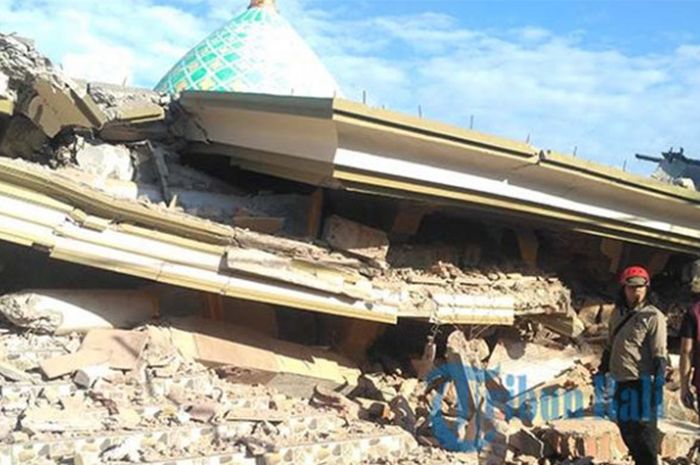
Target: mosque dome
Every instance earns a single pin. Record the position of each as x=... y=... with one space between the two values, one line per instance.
x=257 y=51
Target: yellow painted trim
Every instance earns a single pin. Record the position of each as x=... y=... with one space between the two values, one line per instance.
x=611 y=175
x=361 y=115
x=636 y=240
x=34 y=197
x=358 y=114
x=668 y=240
x=176 y=280
x=169 y=238
x=98 y=203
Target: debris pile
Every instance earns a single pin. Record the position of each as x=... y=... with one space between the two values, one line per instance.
x=171 y=393
x=98 y=175
x=136 y=396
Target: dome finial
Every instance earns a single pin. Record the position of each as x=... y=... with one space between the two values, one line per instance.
x=263 y=4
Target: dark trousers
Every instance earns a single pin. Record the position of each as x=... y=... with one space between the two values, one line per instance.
x=635 y=405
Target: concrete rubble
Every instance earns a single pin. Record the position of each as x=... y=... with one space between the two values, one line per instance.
x=169 y=407
x=99 y=364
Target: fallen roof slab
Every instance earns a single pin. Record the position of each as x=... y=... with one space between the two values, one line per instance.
x=351 y=145
x=75 y=222
x=33 y=218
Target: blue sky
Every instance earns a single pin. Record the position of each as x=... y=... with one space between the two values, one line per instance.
x=606 y=79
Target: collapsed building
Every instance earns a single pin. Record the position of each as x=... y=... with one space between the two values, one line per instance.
x=243 y=267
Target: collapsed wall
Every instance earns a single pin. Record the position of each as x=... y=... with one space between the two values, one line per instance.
x=102 y=368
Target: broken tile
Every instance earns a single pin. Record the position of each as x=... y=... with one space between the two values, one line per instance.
x=67 y=364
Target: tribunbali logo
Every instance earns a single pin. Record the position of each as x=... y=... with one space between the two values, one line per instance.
x=485 y=395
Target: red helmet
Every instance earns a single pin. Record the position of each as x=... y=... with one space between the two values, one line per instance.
x=635 y=275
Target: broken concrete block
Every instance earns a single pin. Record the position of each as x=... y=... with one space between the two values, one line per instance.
x=124 y=347
x=55 y=107
x=18 y=437
x=66 y=311
x=356 y=238
x=255 y=358
x=673 y=407
x=585 y=437
x=124 y=104
x=525 y=442
x=106 y=161
x=67 y=364
x=87 y=377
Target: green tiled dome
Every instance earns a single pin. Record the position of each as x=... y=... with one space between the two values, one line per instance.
x=258 y=51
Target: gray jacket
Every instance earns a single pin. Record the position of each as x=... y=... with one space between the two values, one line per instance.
x=640 y=340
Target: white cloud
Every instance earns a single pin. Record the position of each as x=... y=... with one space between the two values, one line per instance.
x=607 y=103
x=132 y=40
x=100 y=62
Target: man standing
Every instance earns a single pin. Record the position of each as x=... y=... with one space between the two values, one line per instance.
x=635 y=357
x=690 y=352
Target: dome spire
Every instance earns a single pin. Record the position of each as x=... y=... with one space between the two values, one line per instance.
x=258 y=51
x=263 y=4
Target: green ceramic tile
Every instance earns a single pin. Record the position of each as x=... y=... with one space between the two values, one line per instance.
x=257 y=51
